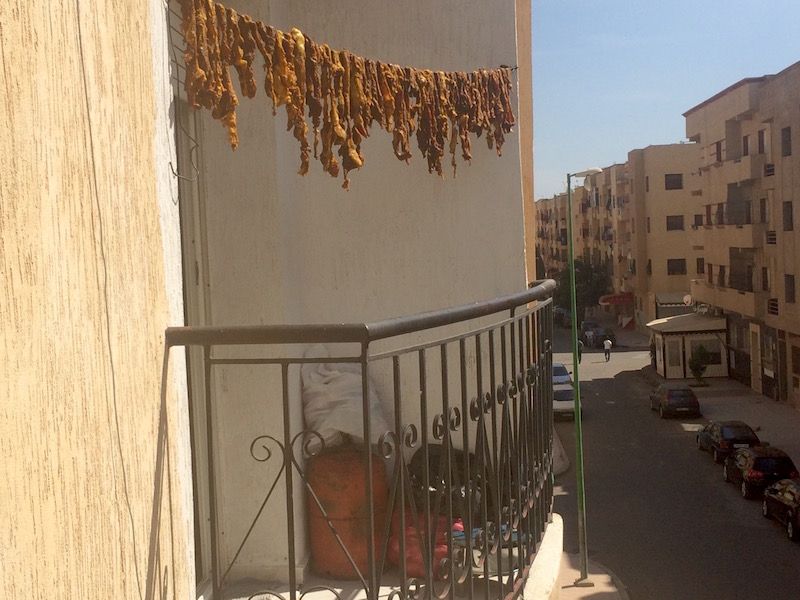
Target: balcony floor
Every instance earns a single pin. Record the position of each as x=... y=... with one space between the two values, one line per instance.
x=248 y=589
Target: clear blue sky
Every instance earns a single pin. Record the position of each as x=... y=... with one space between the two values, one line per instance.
x=613 y=75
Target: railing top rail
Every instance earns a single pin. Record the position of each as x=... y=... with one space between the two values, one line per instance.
x=352 y=332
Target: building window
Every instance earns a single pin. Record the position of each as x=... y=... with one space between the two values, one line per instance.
x=721 y=276
x=788 y=216
x=710 y=273
x=745 y=145
x=698 y=220
x=648 y=224
x=701 y=265
x=712 y=347
x=762 y=137
x=673 y=181
x=788 y=284
x=649 y=267
x=718 y=151
x=795 y=360
x=762 y=210
x=646 y=183
x=764 y=279
x=786 y=141
x=674 y=222
x=676 y=266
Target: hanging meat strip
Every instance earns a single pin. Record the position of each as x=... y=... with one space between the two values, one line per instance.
x=342 y=94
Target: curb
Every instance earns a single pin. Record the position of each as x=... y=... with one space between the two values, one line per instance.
x=621 y=587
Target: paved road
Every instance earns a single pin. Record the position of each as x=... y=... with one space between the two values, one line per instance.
x=659 y=515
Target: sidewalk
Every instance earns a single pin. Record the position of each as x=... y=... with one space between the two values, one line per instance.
x=726 y=399
x=606 y=585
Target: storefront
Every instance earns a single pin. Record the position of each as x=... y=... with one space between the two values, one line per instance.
x=679 y=337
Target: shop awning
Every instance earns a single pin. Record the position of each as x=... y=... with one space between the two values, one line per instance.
x=691 y=323
x=615 y=299
x=670 y=298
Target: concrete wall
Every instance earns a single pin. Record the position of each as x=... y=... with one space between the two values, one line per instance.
x=652 y=201
x=95 y=499
x=289 y=249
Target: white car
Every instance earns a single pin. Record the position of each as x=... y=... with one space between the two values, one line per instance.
x=564 y=401
x=561 y=374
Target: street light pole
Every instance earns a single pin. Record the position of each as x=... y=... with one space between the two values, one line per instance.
x=584 y=554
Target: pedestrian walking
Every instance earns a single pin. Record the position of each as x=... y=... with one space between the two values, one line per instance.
x=590 y=338
x=580 y=351
x=607 y=347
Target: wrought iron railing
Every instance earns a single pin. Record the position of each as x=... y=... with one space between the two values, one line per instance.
x=457 y=488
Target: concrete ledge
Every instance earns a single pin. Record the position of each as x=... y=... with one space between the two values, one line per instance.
x=542 y=581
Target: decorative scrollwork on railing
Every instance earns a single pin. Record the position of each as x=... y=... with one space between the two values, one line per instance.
x=454 y=418
x=259 y=449
x=387 y=444
x=313 y=444
x=321 y=588
x=410 y=436
x=512 y=389
x=263 y=595
x=501 y=394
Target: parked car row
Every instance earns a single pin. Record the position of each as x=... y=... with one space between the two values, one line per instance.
x=759 y=469
x=563 y=392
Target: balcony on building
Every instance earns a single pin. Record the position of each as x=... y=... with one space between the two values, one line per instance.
x=729 y=299
x=731 y=223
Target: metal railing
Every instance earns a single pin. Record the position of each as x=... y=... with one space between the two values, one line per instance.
x=457 y=481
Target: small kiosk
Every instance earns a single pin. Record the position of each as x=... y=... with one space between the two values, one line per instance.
x=676 y=338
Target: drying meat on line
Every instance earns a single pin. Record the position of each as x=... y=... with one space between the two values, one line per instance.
x=342 y=94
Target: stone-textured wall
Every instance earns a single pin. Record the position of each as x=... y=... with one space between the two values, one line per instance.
x=94 y=495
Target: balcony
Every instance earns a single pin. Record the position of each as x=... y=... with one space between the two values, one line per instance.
x=728 y=299
x=717 y=240
x=743 y=169
x=475 y=377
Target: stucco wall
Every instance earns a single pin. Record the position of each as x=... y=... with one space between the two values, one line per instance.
x=289 y=249
x=94 y=499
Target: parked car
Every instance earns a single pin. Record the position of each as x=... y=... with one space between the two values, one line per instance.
x=757 y=467
x=674 y=399
x=782 y=503
x=723 y=437
x=561 y=374
x=599 y=335
x=564 y=401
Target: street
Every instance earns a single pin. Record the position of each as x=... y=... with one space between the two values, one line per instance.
x=659 y=515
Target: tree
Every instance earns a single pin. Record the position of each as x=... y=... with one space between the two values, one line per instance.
x=699 y=362
x=591 y=282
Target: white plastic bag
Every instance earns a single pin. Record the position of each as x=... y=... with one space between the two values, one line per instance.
x=332 y=401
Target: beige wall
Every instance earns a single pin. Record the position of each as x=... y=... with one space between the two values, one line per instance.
x=94 y=500
x=525 y=129
x=653 y=203
x=289 y=249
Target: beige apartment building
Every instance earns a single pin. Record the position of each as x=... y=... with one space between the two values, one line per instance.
x=750 y=182
x=633 y=220
x=664 y=190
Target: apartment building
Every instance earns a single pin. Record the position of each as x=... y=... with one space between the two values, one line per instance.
x=664 y=184
x=606 y=233
x=750 y=182
x=552 y=231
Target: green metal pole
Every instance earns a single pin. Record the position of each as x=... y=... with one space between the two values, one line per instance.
x=577 y=391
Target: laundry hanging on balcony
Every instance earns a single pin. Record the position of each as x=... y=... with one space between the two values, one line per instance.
x=342 y=94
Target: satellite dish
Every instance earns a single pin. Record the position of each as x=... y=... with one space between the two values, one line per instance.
x=687 y=300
